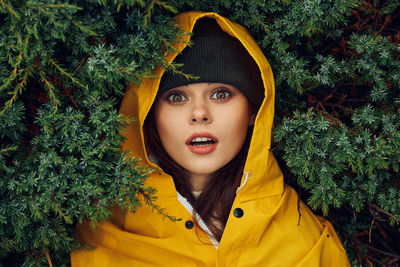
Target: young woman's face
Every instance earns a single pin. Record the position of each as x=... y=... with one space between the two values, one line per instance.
x=202 y=126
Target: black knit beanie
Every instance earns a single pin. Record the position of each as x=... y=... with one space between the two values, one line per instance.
x=216 y=56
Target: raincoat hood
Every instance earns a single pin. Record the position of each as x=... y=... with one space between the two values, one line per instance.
x=268 y=225
x=261 y=182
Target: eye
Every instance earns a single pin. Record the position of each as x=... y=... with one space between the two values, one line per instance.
x=221 y=94
x=176 y=98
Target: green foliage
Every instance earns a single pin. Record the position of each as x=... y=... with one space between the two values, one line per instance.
x=339 y=165
x=64 y=66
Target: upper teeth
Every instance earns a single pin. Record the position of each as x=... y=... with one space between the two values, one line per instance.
x=201 y=139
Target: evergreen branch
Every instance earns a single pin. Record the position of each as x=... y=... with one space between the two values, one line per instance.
x=55 y=22
x=77 y=8
x=22 y=83
x=42 y=7
x=68 y=92
x=10 y=79
x=84 y=28
x=370 y=230
x=141 y=3
x=18 y=62
x=19 y=41
x=18 y=89
x=98 y=73
x=286 y=2
x=353 y=167
x=167 y=44
x=50 y=87
x=57 y=6
x=6 y=149
x=48 y=258
x=353 y=239
x=66 y=219
x=137 y=50
x=187 y=76
x=120 y=3
x=49 y=14
x=124 y=70
x=167 y=7
x=65 y=72
x=9 y=102
x=263 y=26
x=10 y=9
x=148 y=13
x=13 y=47
x=19 y=58
x=150 y=9
x=171 y=66
x=80 y=64
x=394 y=217
x=148 y=200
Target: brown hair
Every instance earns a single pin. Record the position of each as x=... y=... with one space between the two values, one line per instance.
x=214 y=203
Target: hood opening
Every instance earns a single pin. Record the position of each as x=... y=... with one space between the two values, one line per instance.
x=266 y=179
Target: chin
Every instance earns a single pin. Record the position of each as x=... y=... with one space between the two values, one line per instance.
x=202 y=171
x=205 y=168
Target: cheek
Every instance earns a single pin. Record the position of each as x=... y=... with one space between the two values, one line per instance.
x=240 y=116
x=240 y=128
x=168 y=124
x=235 y=124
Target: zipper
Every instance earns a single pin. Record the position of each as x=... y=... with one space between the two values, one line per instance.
x=194 y=214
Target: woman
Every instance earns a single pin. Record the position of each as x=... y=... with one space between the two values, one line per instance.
x=210 y=141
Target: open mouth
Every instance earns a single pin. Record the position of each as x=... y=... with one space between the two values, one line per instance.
x=202 y=141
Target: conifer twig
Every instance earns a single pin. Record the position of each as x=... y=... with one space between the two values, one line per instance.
x=370 y=230
x=18 y=61
x=65 y=72
x=67 y=92
x=50 y=87
x=376 y=249
x=57 y=6
x=48 y=258
x=148 y=199
x=137 y=50
x=10 y=9
x=80 y=64
x=18 y=88
x=5 y=150
x=148 y=13
x=63 y=6
x=384 y=211
x=151 y=7
x=21 y=84
x=83 y=28
x=67 y=220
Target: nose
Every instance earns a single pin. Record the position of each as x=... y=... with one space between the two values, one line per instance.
x=200 y=113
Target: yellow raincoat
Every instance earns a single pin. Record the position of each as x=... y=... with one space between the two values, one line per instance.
x=268 y=233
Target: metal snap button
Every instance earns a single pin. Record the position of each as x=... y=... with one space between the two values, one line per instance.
x=189 y=224
x=238 y=212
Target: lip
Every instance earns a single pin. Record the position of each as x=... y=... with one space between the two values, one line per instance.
x=202 y=149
